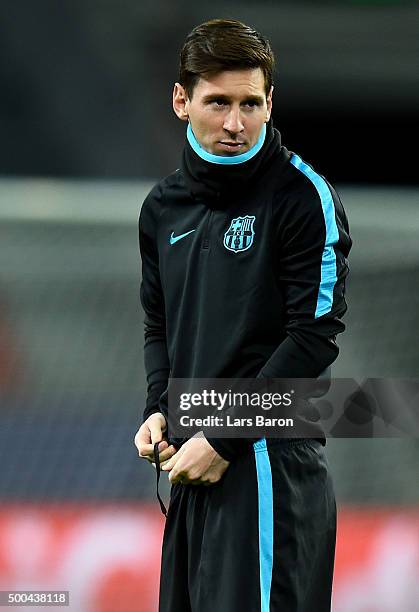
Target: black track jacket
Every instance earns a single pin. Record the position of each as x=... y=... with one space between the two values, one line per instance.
x=243 y=272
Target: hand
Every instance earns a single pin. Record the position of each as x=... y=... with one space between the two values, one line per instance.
x=150 y=432
x=196 y=462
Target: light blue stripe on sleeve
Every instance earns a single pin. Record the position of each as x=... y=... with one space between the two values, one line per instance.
x=266 y=521
x=328 y=266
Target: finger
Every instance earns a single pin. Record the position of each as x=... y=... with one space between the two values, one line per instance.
x=194 y=481
x=156 y=432
x=169 y=464
x=173 y=460
x=143 y=443
x=164 y=463
x=177 y=477
x=167 y=453
x=182 y=478
x=142 y=440
x=143 y=435
x=208 y=483
x=146 y=451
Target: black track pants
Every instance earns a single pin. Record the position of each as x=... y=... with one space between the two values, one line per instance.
x=260 y=540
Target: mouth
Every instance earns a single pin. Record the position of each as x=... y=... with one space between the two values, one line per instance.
x=231 y=146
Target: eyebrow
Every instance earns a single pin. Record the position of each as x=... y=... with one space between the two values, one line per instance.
x=212 y=97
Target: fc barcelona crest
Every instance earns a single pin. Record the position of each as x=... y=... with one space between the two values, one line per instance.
x=240 y=234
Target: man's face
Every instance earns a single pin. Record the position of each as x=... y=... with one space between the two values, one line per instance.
x=227 y=110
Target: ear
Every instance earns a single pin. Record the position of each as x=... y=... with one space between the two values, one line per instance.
x=180 y=100
x=269 y=104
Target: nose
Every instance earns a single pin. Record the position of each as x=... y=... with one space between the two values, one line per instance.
x=233 y=122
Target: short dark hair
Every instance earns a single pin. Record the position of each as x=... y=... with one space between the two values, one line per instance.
x=223 y=44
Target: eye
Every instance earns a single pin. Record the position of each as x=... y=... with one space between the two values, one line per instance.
x=219 y=102
x=251 y=103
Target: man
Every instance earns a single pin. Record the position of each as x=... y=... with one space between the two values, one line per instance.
x=251 y=525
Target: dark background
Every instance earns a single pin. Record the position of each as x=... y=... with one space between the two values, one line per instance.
x=86 y=85
x=86 y=126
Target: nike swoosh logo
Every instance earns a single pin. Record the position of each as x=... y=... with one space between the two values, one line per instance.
x=174 y=238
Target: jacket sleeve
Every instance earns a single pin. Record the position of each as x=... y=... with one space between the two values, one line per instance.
x=156 y=360
x=311 y=245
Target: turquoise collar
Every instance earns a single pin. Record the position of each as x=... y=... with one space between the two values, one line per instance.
x=221 y=159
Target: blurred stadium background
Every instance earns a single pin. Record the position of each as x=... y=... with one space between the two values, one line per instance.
x=86 y=128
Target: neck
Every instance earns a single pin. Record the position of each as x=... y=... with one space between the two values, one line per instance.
x=221 y=159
